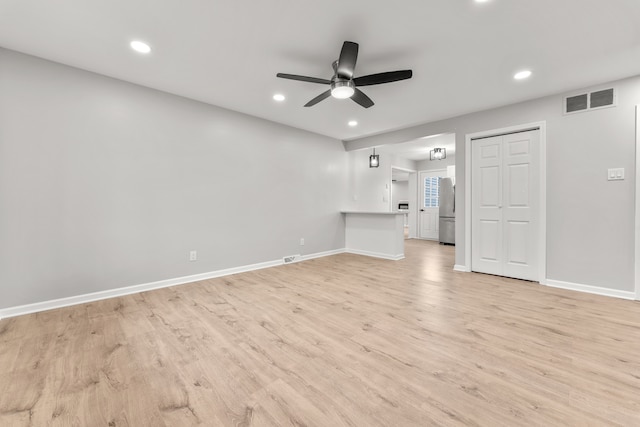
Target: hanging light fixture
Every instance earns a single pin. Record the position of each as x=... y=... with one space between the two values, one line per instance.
x=438 y=154
x=374 y=159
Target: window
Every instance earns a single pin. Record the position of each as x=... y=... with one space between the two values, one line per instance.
x=431 y=191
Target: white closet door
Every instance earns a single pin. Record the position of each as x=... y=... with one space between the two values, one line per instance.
x=505 y=197
x=520 y=209
x=486 y=202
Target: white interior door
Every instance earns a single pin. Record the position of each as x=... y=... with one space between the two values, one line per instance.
x=428 y=212
x=504 y=199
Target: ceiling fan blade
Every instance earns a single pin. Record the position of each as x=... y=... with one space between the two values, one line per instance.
x=347 y=60
x=321 y=97
x=388 y=77
x=362 y=99
x=304 y=78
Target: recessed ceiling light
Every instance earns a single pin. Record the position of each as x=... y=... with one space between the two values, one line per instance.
x=139 y=46
x=520 y=75
x=279 y=97
x=481 y=1
x=353 y=123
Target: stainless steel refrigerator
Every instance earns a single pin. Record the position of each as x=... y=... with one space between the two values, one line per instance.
x=447 y=202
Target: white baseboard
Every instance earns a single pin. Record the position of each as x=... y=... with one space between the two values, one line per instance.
x=591 y=289
x=375 y=254
x=322 y=254
x=112 y=293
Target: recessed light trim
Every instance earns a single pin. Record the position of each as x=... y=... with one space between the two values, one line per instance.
x=352 y=123
x=279 y=97
x=140 y=46
x=521 y=75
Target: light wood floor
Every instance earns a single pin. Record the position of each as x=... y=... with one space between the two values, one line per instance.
x=339 y=341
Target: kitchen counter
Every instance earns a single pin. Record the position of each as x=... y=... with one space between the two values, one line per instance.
x=374 y=213
x=376 y=234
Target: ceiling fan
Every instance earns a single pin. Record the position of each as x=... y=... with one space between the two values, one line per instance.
x=343 y=84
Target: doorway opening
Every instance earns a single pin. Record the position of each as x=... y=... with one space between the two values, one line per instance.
x=411 y=163
x=429 y=203
x=401 y=197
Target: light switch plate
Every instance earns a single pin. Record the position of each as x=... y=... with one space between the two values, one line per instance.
x=616 y=174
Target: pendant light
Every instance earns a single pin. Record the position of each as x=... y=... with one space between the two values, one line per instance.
x=374 y=159
x=438 y=154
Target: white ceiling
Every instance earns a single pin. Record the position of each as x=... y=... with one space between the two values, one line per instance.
x=419 y=149
x=227 y=52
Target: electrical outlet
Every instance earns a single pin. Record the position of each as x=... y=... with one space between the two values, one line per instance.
x=302 y=241
x=193 y=256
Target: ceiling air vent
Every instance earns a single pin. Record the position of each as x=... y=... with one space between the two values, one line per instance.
x=590 y=101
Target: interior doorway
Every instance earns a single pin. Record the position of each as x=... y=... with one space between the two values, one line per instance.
x=402 y=200
x=412 y=157
x=429 y=208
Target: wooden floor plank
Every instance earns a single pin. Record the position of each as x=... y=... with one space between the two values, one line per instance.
x=344 y=340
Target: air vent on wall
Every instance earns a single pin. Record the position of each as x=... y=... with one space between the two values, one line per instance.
x=601 y=98
x=576 y=103
x=590 y=101
x=290 y=258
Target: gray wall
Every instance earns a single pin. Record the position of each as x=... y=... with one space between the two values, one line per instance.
x=105 y=184
x=590 y=221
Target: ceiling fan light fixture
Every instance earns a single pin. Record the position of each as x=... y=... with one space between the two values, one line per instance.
x=343 y=83
x=342 y=89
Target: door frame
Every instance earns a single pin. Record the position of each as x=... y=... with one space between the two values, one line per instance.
x=414 y=203
x=542 y=244
x=419 y=196
x=637 y=213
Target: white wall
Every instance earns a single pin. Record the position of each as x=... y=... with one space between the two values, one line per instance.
x=369 y=189
x=427 y=165
x=590 y=221
x=105 y=184
x=400 y=162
